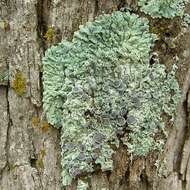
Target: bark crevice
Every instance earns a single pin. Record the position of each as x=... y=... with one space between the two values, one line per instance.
x=9 y=123
x=41 y=23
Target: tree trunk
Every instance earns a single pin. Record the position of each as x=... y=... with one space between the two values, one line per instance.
x=29 y=146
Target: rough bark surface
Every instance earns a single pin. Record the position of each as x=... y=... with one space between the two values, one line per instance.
x=29 y=146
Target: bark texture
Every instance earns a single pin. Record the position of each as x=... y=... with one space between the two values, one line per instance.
x=29 y=146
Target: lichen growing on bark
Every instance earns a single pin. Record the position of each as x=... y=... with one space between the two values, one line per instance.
x=49 y=35
x=101 y=90
x=186 y=20
x=19 y=84
x=4 y=24
x=40 y=159
x=45 y=126
x=35 y=121
x=163 y=8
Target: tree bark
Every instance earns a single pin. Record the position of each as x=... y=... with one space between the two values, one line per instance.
x=29 y=146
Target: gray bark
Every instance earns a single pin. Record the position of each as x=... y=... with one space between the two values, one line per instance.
x=29 y=146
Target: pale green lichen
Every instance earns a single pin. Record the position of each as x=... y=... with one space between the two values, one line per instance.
x=152 y=89
x=82 y=185
x=163 y=8
x=161 y=168
x=101 y=89
x=4 y=77
x=186 y=20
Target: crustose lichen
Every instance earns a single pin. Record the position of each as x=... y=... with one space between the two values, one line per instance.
x=100 y=89
x=19 y=84
x=49 y=35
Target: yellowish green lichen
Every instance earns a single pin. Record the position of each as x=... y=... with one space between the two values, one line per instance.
x=19 y=84
x=35 y=121
x=45 y=126
x=11 y=167
x=4 y=24
x=49 y=35
x=40 y=159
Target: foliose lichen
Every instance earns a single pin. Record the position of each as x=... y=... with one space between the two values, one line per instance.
x=101 y=90
x=163 y=8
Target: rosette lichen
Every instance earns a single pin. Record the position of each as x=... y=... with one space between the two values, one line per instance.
x=102 y=91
